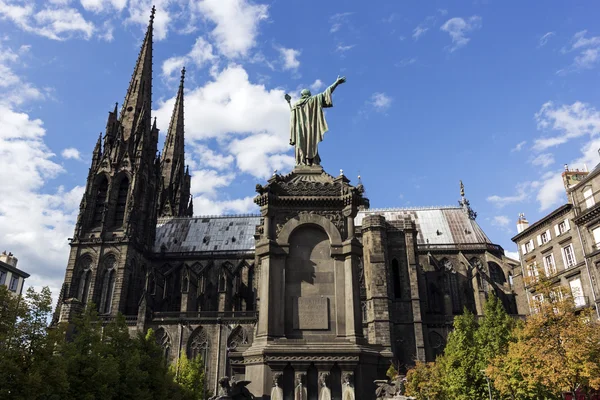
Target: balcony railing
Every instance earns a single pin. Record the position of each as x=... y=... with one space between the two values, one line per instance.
x=130 y=320
x=204 y=315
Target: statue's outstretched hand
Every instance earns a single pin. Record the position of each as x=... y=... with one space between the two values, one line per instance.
x=288 y=97
x=341 y=79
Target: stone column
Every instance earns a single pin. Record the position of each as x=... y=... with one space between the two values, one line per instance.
x=271 y=287
x=410 y=238
x=352 y=250
x=376 y=280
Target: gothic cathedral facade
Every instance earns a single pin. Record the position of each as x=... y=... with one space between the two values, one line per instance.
x=316 y=283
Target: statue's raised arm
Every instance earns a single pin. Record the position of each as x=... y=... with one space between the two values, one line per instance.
x=307 y=122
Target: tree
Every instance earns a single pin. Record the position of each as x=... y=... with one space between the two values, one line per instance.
x=189 y=374
x=424 y=381
x=556 y=350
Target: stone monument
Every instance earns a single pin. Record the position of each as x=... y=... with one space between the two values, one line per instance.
x=324 y=390
x=307 y=258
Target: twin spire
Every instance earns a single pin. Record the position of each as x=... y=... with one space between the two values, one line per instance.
x=135 y=126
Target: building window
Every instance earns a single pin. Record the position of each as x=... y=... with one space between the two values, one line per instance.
x=549 y=265
x=2 y=277
x=577 y=292
x=562 y=227
x=528 y=247
x=14 y=283
x=363 y=308
x=536 y=302
x=545 y=237
x=569 y=256
x=121 y=202
x=588 y=195
x=532 y=271
x=596 y=233
x=100 y=201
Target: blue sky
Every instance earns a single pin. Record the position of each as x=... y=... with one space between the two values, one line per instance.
x=499 y=94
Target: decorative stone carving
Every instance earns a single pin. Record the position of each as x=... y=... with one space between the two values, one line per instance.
x=300 y=392
x=232 y=389
x=348 y=386
x=277 y=391
x=324 y=389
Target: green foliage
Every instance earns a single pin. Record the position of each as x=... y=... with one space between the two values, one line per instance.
x=392 y=372
x=96 y=362
x=189 y=374
x=424 y=381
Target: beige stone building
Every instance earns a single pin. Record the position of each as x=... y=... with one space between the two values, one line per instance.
x=316 y=283
x=563 y=245
x=11 y=276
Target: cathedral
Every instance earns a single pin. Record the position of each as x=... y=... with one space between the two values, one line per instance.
x=318 y=284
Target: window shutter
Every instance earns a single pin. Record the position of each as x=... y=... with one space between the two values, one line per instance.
x=567 y=224
x=556 y=230
x=548 y=234
x=539 y=240
x=531 y=244
x=596 y=233
x=523 y=249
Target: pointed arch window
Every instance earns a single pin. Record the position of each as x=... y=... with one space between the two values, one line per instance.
x=164 y=340
x=121 y=201
x=108 y=285
x=85 y=276
x=198 y=344
x=100 y=200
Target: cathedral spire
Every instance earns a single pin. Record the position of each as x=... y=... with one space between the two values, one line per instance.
x=138 y=100
x=175 y=185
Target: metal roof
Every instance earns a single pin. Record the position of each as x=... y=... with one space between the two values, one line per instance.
x=203 y=234
x=443 y=225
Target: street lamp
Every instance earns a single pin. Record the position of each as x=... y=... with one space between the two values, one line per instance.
x=488 y=383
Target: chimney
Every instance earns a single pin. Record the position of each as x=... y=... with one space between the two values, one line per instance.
x=522 y=223
x=9 y=259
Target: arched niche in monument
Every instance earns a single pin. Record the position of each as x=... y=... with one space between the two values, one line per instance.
x=309 y=283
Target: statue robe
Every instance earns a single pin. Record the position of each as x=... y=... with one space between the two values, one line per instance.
x=308 y=126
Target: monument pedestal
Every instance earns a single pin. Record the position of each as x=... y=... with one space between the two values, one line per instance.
x=309 y=303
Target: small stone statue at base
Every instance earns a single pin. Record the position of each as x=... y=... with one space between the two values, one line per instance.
x=235 y=391
x=324 y=390
x=277 y=391
x=300 y=392
x=348 y=387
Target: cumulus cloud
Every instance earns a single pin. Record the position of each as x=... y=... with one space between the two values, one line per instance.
x=381 y=101
x=98 y=6
x=571 y=121
x=289 y=58
x=71 y=153
x=236 y=24
x=519 y=146
x=57 y=23
x=523 y=190
x=249 y=121
x=316 y=85
x=139 y=13
x=587 y=51
x=458 y=28
x=543 y=160
x=14 y=89
x=200 y=55
x=501 y=220
x=424 y=26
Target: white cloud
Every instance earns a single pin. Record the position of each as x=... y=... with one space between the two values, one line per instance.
x=588 y=49
x=200 y=54
x=457 y=28
x=572 y=121
x=53 y=23
x=338 y=20
x=501 y=220
x=544 y=39
x=209 y=206
x=419 y=31
x=519 y=146
x=341 y=48
x=106 y=32
x=381 y=101
x=543 y=160
x=405 y=62
x=209 y=158
x=15 y=90
x=250 y=122
x=236 y=24
x=316 y=85
x=29 y=216
x=523 y=190
x=139 y=13
x=289 y=58
x=71 y=153
x=207 y=181
x=98 y=6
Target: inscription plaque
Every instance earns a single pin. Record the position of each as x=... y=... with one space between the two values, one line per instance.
x=311 y=313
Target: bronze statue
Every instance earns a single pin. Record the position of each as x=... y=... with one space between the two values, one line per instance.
x=307 y=123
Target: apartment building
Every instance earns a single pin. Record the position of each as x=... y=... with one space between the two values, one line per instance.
x=10 y=275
